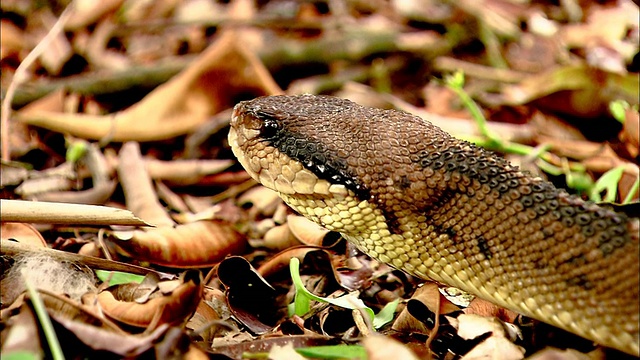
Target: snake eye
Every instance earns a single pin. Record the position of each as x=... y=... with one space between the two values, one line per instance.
x=269 y=129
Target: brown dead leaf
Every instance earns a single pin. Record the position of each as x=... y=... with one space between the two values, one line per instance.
x=286 y=352
x=306 y=231
x=86 y=13
x=202 y=321
x=22 y=233
x=630 y=134
x=259 y=200
x=23 y=336
x=96 y=52
x=251 y=299
x=139 y=193
x=381 y=347
x=487 y=309
x=172 y=308
x=185 y=172
x=581 y=90
x=606 y=26
x=212 y=83
x=496 y=346
x=281 y=260
x=58 y=50
x=279 y=238
x=428 y=294
x=12 y=39
x=65 y=308
x=194 y=245
x=237 y=350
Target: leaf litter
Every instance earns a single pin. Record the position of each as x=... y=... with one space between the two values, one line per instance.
x=128 y=107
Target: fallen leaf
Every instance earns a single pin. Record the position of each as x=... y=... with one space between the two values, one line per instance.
x=194 y=245
x=212 y=83
x=172 y=308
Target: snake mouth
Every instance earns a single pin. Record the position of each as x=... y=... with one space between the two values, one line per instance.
x=271 y=167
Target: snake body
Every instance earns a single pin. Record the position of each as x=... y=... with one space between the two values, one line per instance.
x=410 y=195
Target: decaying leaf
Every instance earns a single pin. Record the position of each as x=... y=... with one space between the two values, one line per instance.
x=251 y=299
x=21 y=232
x=306 y=231
x=497 y=346
x=138 y=190
x=170 y=308
x=193 y=245
x=279 y=238
x=382 y=347
x=592 y=89
x=222 y=72
x=428 y=294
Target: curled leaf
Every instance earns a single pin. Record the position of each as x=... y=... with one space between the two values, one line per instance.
x=198 y=244
x=171 y=308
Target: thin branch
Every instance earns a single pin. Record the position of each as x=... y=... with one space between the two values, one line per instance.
x=21 y=75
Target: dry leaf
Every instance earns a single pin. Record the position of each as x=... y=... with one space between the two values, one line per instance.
x=58 y=50
x=381 y=347
x=306 y=231
x=279 y=238
x=590 y=89
x=12 y=39
x=22 y=233
x=497 y=346
x=86 y=13
x=209 y=85
x=139 y=193
x=198 y=244
x=172 y=308
x=428 y=294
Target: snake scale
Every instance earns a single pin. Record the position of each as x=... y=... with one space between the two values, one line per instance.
x=410 y=195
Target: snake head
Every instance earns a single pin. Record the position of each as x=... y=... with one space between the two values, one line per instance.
x=282 y=141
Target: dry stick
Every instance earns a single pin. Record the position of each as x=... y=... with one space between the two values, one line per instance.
x=12 y=248
x=105 y=82
x=42 y=212
x=352 y=45
x=21 y=75
x=436 y=325
x=138 y=190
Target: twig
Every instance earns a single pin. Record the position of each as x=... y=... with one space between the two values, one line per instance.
x=21 y=75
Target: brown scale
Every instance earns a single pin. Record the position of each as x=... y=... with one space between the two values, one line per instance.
x=515 y=232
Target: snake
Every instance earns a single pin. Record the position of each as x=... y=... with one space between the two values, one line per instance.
x=412 y=196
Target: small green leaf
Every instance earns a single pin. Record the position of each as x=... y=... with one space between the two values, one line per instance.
x=455 y=80
x=617 y=108
x=20 y=355
x=303 y=296
x=334 y=352
x=76 y=151
x=385 y=315
x=580 y=182
x=301 y=299
x=118 y=277
x=608 y=183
